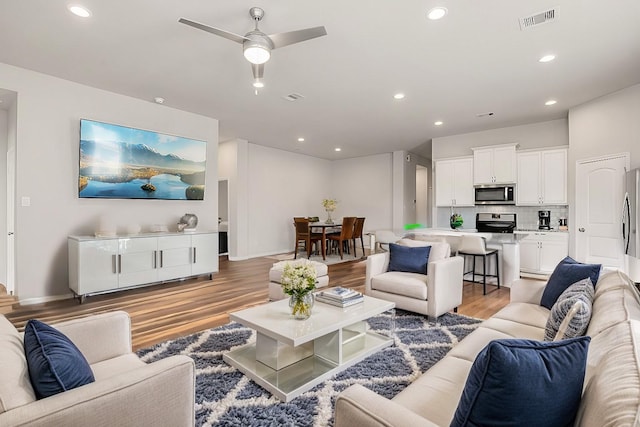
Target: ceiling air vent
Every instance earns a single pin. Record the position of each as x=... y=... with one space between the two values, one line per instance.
x=538 y=19
x=293 y=97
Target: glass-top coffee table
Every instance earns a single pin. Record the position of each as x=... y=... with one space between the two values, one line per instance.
x=292 y=356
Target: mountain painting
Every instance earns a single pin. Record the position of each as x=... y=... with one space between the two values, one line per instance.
x=118 y=162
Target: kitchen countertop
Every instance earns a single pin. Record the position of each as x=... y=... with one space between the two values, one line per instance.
x=535 y=230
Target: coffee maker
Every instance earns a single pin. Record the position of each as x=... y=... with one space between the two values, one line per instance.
x=544 y=220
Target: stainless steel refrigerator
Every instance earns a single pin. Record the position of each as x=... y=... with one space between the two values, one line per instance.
x=630 y=220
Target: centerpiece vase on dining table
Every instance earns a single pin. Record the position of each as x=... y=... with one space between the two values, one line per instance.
x=301 y=305
x=329 y=219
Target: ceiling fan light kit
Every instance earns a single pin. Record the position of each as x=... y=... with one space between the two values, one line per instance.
x=256 y=45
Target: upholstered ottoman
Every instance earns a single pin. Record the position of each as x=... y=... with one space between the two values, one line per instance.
x=275 y=277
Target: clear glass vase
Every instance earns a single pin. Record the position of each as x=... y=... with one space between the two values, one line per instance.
x=329 y=219
x=301 y=305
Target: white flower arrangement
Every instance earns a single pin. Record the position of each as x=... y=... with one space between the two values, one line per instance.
x=330 y=205
x=298 y=278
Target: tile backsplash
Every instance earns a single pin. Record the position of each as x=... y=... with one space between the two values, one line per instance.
x=526 y=216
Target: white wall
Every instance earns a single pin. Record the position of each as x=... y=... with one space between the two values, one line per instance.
x=283 y=185
x=280 y=185
x=537 y=135
x=48 y=114
x=363 y=187
x=4 y=134
x=606 y=125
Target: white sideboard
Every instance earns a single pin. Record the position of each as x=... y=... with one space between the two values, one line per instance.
x=107 y=264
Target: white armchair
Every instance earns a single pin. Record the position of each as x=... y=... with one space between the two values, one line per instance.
x=433 y=294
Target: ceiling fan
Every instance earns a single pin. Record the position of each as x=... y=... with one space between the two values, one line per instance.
x=256 y=45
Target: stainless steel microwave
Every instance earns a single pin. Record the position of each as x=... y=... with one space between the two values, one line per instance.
x=495 y=194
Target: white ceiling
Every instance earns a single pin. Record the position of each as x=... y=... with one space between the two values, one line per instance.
x=475 y=60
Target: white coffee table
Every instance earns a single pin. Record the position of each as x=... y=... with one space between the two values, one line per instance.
x=292 y=356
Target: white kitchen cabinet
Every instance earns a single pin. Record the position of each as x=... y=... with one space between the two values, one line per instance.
x=542 y=178
x=540 y=252
x=454 y=182
x=494 y=165
x=98 y=265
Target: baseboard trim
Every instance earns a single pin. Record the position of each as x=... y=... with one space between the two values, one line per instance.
x=40 y=300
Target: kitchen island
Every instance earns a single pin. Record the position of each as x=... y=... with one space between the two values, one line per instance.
x=506 y=243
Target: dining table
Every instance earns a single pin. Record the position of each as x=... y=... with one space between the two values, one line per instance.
x=324 y=226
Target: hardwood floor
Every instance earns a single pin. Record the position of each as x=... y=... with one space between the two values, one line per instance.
x=167 y=311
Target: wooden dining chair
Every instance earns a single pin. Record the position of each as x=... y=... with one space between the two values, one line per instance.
x=357 y=234
x=304 y=234
x=346 y=234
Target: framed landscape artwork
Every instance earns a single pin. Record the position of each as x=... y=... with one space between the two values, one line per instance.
x=118 y=162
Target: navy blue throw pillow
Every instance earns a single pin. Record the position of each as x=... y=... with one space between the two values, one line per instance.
x=516 y=382
x=566 y=273
x=55 y=363
x=410 y=259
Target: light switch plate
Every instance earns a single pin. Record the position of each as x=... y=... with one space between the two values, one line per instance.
x=26 y=201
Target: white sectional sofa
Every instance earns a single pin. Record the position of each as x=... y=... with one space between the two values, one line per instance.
x=126 y=391
x=611 y=394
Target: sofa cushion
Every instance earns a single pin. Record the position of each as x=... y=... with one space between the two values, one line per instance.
x=566 y=273
x=616 y=300
x=612 y=392
x=528 y=314
x=55 y=363
x=15 y=387
x=408 y=259
x=571 y=313
x=495 y=391
x=412 y=285
x=435 y=394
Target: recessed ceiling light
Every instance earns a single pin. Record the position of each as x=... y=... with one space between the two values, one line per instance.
x=550 y=102
x=547 y=58
x=300 y=139
x=337 y=149
x=438 y=123
x=258 y=84
x=158 y=100
x=80 y=11
x=399 y=96
x=437 y=13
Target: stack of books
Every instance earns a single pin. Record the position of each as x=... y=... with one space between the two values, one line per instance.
x=340 y=297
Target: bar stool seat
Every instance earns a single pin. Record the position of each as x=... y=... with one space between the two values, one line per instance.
x=476 y=246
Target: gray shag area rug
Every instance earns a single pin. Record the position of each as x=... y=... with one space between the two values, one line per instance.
x=225 y=397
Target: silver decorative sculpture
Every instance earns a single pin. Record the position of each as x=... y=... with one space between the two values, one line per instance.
x=188 y=222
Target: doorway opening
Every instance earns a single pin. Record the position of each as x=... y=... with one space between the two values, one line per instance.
x=223 y=217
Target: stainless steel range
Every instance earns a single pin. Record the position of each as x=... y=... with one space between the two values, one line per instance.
x=488 y=222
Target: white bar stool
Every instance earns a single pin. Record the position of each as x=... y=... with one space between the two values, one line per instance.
x=476 y=246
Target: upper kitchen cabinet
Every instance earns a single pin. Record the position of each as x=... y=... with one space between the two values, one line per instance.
x=454 y=182
x=542 y=178
x=494 y=165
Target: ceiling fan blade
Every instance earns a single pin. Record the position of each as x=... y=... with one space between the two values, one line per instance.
x=218 y=32
x=291 y=37
x=258 y=70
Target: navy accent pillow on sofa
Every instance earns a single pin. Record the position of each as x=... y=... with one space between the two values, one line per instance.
x=55 y=363
x=408 y=259
x=517 y=382
x=566 y=273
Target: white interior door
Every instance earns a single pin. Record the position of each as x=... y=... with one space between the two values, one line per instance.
x=599 y=196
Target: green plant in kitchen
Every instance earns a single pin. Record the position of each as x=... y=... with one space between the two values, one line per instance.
x=456 y=221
